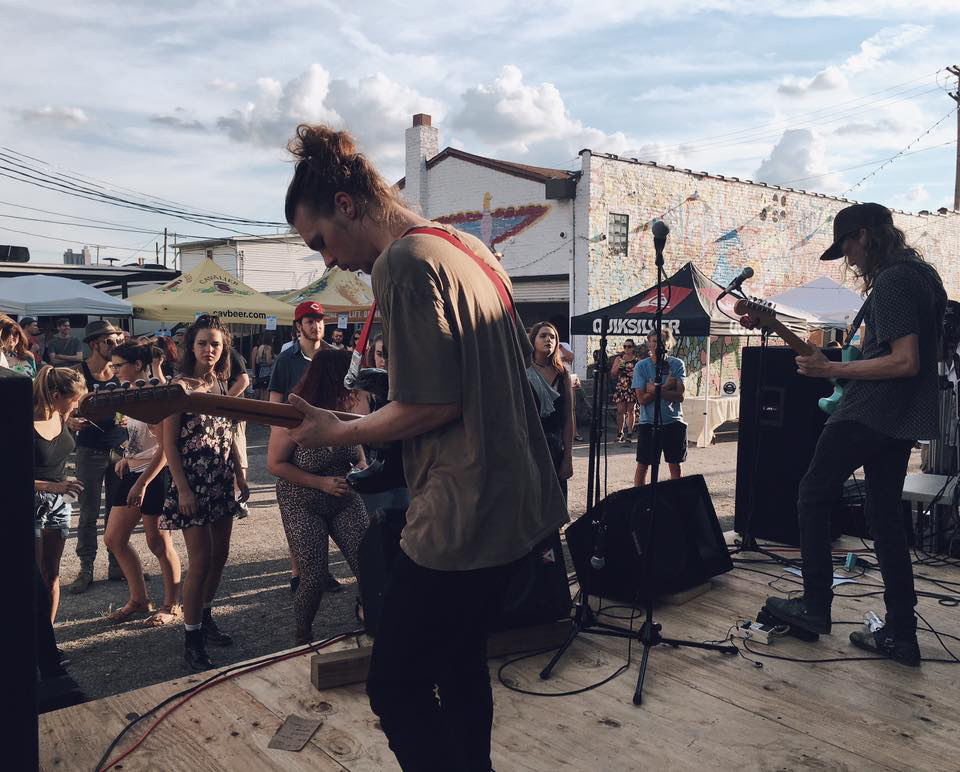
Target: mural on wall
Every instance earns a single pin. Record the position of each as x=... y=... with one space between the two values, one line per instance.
x=493 y=226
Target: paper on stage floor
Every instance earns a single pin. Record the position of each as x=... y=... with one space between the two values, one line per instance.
x=294 y=733
x=836 y=579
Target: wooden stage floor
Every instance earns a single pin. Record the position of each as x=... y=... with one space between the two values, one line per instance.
x=701 y=710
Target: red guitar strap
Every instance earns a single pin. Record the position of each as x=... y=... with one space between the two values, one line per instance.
x=494 y=277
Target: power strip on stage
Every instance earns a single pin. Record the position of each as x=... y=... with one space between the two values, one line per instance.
x=750 y=630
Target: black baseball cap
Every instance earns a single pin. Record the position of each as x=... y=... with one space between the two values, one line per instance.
x=850 y=220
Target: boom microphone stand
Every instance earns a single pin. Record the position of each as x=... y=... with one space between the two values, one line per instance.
x=584 y=617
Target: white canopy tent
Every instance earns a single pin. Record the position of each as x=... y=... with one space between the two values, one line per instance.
x=51 y=295
x=830 y=302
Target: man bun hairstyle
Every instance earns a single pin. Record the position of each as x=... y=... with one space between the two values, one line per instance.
x=328 y=163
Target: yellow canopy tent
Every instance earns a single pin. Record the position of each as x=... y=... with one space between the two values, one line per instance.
x=208 y=289
x=339 y=292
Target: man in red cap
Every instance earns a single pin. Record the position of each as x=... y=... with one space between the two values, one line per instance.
x=288 y=369
x=890 y=401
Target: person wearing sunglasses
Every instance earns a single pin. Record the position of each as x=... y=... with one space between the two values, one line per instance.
x=98 y=449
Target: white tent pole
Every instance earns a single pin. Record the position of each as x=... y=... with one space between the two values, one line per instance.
x=704 y=440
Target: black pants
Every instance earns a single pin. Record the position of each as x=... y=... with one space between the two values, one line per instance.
x=428 y=681
x=843 y=448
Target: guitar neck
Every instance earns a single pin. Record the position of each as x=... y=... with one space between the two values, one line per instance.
x=798 y=344
x=255 y=410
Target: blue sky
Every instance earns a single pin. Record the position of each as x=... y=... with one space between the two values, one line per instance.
x=192 y=102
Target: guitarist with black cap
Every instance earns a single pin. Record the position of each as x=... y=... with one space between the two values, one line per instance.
x=890 y=401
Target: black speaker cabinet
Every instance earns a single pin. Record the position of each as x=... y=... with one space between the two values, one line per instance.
x=537 y=593
x=18 y=571
x=686 y=545
x=780 y=424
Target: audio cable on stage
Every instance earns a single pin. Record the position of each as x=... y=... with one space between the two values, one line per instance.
x=217 y=678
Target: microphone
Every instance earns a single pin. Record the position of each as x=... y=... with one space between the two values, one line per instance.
x=597 y=560
x=738 y=280
x=660 y=233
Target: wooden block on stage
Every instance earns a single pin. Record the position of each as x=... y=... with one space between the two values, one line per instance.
x=342 y=668
x=679 y=598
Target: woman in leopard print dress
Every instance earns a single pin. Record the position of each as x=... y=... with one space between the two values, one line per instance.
x=315 y=500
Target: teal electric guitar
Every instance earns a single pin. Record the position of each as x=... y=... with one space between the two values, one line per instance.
x=766 y=317
x=829 y=404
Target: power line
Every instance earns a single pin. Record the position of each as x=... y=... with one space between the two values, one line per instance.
x=107 y=185
x=828 y=114
x=895 y=156
x=75 y=241
x=787 y=183
x=26 y=173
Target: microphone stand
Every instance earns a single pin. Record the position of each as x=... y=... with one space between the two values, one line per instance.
x=584 y=617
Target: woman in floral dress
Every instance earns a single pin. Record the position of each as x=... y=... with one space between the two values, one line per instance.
x=204 y=467
x=621 y=372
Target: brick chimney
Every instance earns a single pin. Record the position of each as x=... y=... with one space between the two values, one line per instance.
x=422 y=143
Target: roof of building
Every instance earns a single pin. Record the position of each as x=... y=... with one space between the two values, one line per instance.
x=706 y=175
x=107 y=278
x=237 y=239
x=535 y=173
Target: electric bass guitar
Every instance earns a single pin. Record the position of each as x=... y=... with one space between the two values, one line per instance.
x=767 y=317
x=151 y=402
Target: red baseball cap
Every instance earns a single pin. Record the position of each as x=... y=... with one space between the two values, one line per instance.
x=307 y=308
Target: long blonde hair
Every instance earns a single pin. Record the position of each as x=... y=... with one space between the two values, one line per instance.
x=55 y=380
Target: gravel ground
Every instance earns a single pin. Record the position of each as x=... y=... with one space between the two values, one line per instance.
x=254 y=604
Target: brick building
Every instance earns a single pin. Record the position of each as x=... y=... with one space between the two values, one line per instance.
x=579 y=240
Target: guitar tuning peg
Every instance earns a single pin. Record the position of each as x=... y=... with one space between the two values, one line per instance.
x=140 y=383
x=124 y=384
x=112 y=386
x=154 y=381
x=96 y=388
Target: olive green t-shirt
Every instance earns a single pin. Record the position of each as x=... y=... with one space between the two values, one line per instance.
x=483 y=490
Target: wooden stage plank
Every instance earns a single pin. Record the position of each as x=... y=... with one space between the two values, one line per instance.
x=702 y=710
x=210 y=733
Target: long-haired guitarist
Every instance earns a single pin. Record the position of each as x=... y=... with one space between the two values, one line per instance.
x=889 y=402
x=483 y=490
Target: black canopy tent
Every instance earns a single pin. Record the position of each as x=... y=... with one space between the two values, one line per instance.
x=689 y=309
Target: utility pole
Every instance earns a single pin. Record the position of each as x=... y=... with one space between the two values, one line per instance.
x=955 y=96
x=164 y=247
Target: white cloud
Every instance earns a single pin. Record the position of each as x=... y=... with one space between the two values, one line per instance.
x=917 y=194
x=514 y=117
x=67 y=117
x=180 y=121
x=872 y=51
x=218 y=84
x=798 y=160
x=375 y=108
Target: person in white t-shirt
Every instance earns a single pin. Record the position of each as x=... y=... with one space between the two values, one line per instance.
x=140 y=495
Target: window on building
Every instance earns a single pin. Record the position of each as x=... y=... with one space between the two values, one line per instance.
x=618 y=233
x=210 y=254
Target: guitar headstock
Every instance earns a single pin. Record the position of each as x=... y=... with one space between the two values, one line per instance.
x=761 y=310
x=150 y=403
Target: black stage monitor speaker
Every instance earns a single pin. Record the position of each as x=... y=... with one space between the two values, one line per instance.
x=537 y=594
x=780 y=424
x=686 y=548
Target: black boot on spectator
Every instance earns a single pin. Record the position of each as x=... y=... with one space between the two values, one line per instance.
x=194 y=653
x=330 y=584
x=213 y=634
x=82 y=582
x=904 y=650
x=294 y=583
x=799 y=613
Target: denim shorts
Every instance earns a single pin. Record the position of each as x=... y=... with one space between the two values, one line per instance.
x=51 y=512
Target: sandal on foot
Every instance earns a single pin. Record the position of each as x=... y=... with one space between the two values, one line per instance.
x=126 y=611
x=166 y=615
